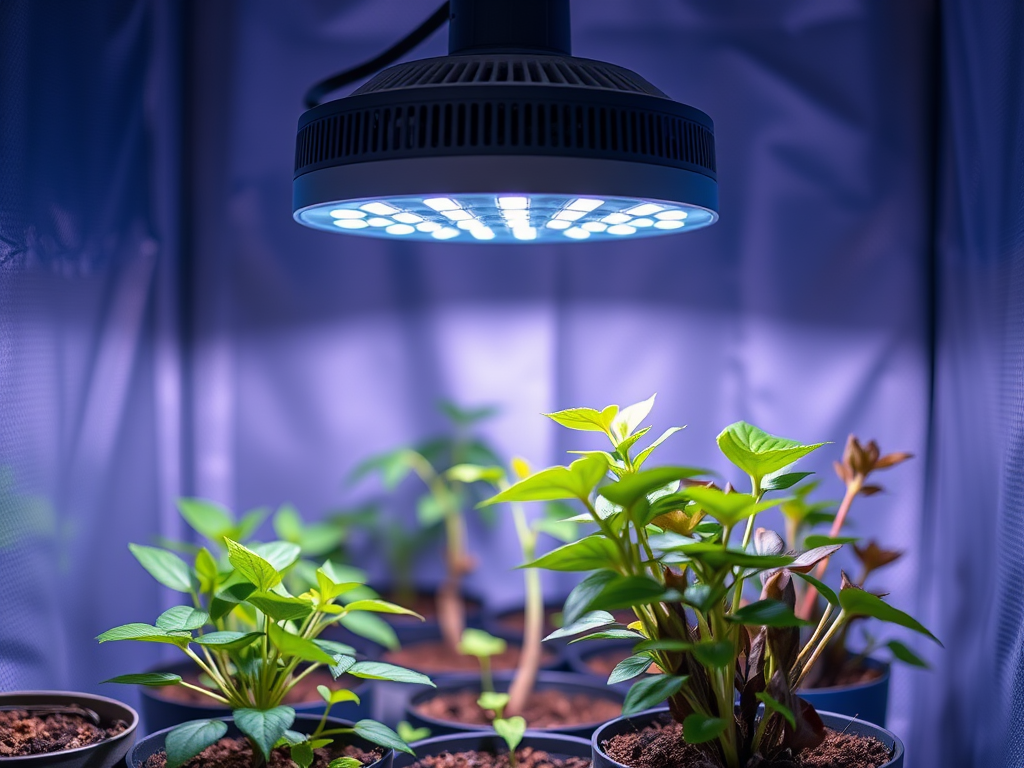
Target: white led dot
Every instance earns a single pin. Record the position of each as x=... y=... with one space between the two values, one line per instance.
x=347 y=213
x=407 y=218
x=644 y=209
x=584 y=204
x=577 y=233
x=516 y=215
x=524 y=233
x=556 y=224
x=378 y=222
x=428 y=226
x=594 y=226
x=642 y=222
x=351 y=224
x=441 y=203
x=621 y=229
x=457 y=214
x=616 y=218
x=482 y=233
x=513 y=203
x=669 y=224
x=568 y=215
x=381 y=209
x=671 y=215
x=400 y=229
x=445 y=233
x=469 y=224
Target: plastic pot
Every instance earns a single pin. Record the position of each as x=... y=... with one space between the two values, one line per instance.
x=154 y=743
x=834 y=721
x=563 y=681
x=864 y=701
x=557 y=745
x=577 y=656
x=103 y=754
x=159 y=712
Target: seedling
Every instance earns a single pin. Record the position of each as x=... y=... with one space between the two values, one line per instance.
x=511 y=729
x=409 y=734
x=482 y=645
x=275 y=644
x=665 y=548
x=445 y=500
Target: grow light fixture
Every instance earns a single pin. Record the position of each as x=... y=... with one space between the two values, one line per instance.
x=509 y=138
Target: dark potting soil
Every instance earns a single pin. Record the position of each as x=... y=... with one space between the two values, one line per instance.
x=236 y=753
x=527 y=757
x=548 y=708
x=25 y=734
x=304 y=692
x=436 y=656
x=662 y=746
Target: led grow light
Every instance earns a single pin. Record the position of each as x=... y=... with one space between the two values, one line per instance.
x=507 y=139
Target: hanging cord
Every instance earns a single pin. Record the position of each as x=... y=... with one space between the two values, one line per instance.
x=317 y=92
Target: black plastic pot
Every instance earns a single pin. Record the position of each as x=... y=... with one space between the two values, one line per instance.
x=154 y=743
x=558 y=745
x=103 y=754
x=497 y=622
x=578 y=654
x=564 y=681
x=865 y=701
x=837 y=722
x=159 y=713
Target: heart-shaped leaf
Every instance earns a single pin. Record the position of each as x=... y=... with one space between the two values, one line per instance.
x=477 y=642
x=189 y=739
x=493 y=701
x=182 y=618
x=511 y=729
x=264 y=726
x=758 y=453
x=651 y=691
x=338 y=696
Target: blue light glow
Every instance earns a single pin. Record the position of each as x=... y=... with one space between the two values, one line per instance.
x=506 y=218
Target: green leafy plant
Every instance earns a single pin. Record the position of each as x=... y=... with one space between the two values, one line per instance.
x=254 y=641
x=510 y=729
x=679 y=551
x=482 y=645
x=445 y=501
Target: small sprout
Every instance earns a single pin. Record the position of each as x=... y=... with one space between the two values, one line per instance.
x=490 y=701
x=409 y=734
x=511 y=730
x=482 y=645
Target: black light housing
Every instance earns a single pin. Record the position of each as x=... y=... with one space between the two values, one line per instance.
x=509 y=138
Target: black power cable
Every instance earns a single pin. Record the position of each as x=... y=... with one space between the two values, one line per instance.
x=317 y=92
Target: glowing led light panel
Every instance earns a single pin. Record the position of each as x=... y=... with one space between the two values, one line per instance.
x=506 y=218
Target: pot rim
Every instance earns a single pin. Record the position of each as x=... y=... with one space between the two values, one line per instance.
x=475 y=736
x=898 y=750
x=869 y=661
x=42 y=695
x=230 y=719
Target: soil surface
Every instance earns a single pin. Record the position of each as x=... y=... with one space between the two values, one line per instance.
x=548 y=708
x=662 y=746
x=25 y=734
x=527 y=757
x=304 y=692
x=236 y=753
x=435 y=656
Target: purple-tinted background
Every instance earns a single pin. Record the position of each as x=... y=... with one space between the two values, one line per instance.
x=165 y=328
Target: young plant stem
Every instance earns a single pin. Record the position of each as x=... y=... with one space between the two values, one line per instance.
x=757 y=493
x=533 y=628
x=486 y=678
x=840 y=621
x=852 y=489
x=205 y=692
x=811 y=644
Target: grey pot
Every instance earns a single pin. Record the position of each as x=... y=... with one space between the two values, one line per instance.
x=104 y=754
x=555 y=744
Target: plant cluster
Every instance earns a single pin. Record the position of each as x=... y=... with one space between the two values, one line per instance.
x=679 y=550
x=510 y=728
x=254 y=640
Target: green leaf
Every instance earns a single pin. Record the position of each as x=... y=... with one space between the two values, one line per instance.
x=264 y=726
x=646 y=452
x=250 y=521
x=717 y=557
x=228 y=598
x=280 y=554
x=155 y=679
x=756 y=452
x=380 y=606
x=611 y=634
x=709 y=653
x=555 y=483
x=228 y=641
x=626 y=491
x=584 y=623
x=145 y=633
x=476 y=642
x=493 y=701
x=407 y=734
x=630 y=417
x=775 y=706
x=302 y=754
x=587 y=554
x=586 y=419
x=351 y=762
x=429 y=510
x=334 y=647
x=767 y=613
x=625 y=592
x=698 y=729
x=182 y=618
x=342 y=664
x=780 y=482
x=379 y=670
x=280 y=608
x=380 y=734
x=288 y=524
x=630 y=667
x=372 y=627
x=336 y=697
x=815 y=541
x=213 y=521
x=823 y=589
x=252 y=567
x=623 y=447
x=701 y=596
x=727 y=508
x=297 y=647
x=511 y=729
x=166 y=567
x=583 y=594
x=857 y=602
x=467 y=417
x=651 y=691
x=904 y=654
x=474 y=473
x=207 y=570
x=189 y=739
